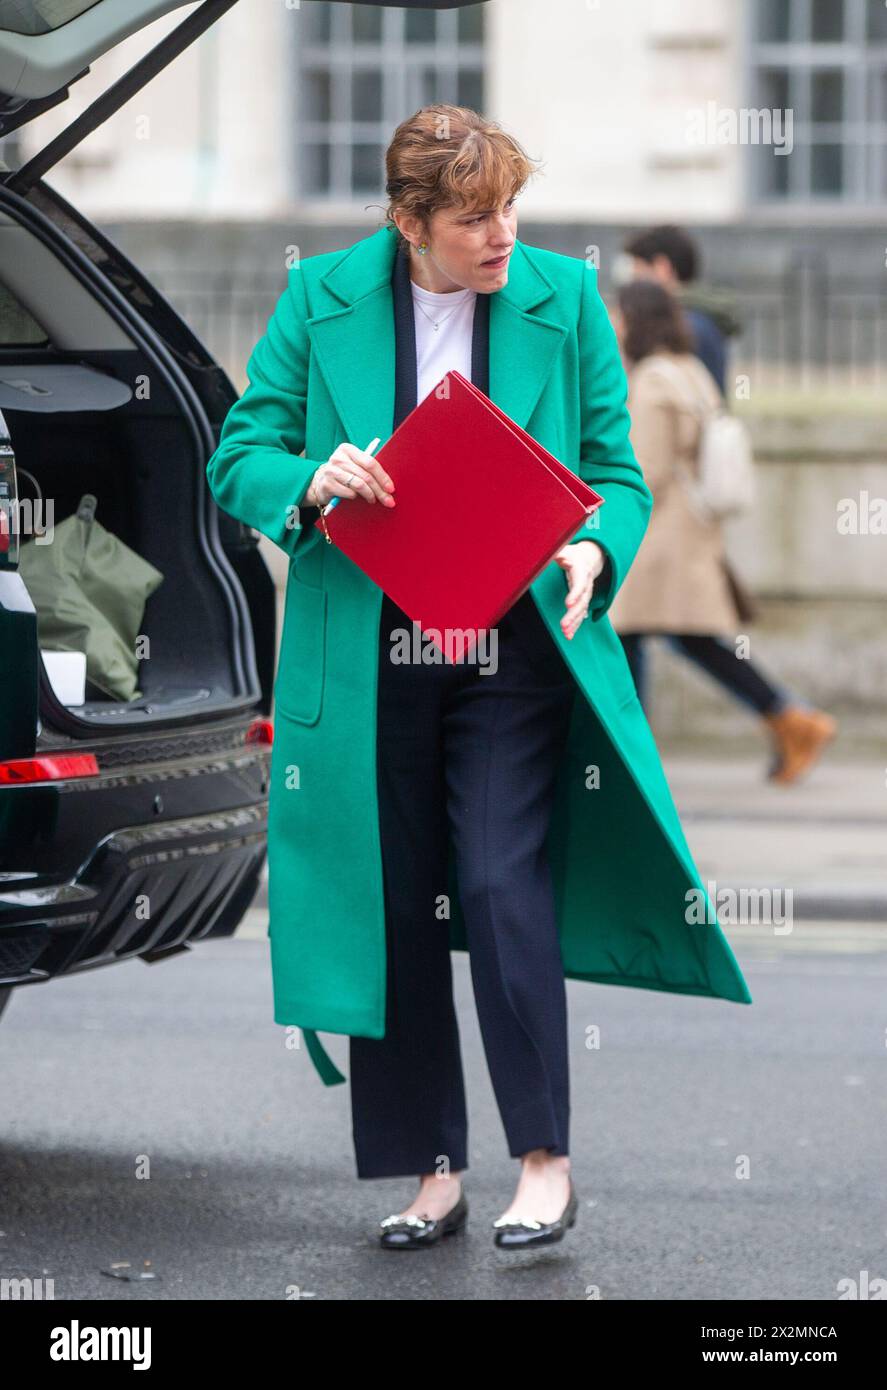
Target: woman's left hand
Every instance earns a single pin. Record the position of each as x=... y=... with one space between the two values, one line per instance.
x=583 y=562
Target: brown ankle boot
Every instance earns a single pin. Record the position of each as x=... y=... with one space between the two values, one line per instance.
x=800 y=735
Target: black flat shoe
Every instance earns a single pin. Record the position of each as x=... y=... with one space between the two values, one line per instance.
x=415 y=1232
x=520 y=1235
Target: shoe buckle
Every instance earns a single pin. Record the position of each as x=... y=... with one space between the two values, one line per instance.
x=410 y=1220
x=528 y=1225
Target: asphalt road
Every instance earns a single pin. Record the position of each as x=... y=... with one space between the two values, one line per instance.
x=252 y=1192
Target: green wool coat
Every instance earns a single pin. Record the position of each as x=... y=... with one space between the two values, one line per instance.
x=631 y=907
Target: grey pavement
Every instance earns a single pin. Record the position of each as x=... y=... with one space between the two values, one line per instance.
x=824 y=838
x=720 y=1151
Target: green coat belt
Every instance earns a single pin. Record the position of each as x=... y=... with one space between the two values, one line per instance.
x=631 y=906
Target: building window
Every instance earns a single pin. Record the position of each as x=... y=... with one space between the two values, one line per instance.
x=360 y=70
x=825 y=61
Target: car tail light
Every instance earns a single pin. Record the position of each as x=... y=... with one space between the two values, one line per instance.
x=260 y=731
x=50 y=767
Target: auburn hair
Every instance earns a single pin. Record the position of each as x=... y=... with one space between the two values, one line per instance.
x=450 y=156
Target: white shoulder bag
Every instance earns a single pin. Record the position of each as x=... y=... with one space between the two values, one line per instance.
x=725 y=485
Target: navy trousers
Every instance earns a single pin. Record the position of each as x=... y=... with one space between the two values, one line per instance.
x=718 y=659
x=478 y=754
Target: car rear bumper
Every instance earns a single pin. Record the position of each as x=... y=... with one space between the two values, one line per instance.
x=146 y=890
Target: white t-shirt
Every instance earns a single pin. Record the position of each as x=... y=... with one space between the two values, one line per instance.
x=439 y=350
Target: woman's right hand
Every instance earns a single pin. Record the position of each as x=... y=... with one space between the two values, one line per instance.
x=350 y=472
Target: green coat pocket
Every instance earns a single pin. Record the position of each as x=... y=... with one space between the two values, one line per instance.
x=298 y=690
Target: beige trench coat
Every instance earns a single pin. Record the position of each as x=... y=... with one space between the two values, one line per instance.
x=677 y=582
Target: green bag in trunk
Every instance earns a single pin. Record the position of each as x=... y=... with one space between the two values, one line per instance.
x=89 y=590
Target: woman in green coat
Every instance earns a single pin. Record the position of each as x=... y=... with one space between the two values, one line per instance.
x=520 y=813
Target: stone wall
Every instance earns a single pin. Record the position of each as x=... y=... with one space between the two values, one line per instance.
x=822 y=585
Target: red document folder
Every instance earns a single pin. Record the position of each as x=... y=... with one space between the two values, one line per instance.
x=481 y=509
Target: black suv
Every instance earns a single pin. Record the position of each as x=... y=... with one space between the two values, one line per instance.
x=127 y=828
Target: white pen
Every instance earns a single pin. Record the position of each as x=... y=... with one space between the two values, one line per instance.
x=333 y=500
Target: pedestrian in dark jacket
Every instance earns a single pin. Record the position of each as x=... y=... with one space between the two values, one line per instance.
x=669 y=255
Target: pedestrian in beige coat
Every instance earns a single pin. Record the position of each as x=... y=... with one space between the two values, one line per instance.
x=680 y=584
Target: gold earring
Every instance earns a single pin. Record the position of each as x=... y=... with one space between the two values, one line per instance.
x=422 y=247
